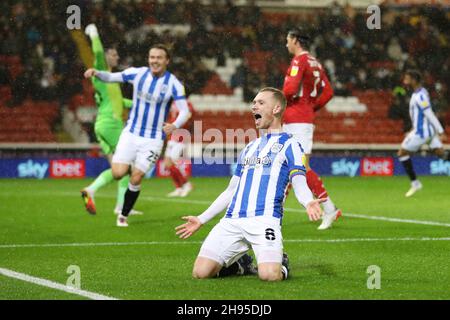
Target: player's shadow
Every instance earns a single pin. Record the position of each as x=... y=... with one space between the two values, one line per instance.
x=321 y=268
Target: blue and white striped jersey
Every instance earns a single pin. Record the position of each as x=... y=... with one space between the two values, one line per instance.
x=418 y=106
x=152 y=98
x=265 y=167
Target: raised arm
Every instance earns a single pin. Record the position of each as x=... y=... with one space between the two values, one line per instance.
x=97 y=47
x=104 y=75
x=193 y=223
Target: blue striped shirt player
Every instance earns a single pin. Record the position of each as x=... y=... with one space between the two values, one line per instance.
x=141 y=141
x=265 y=167
x=254 y=201
x=426 y=129
x=152 y=97
x=424 y=121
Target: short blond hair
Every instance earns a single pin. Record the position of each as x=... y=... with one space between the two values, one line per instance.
x=279 y=97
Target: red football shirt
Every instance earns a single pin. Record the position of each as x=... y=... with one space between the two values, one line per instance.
x=306 y=88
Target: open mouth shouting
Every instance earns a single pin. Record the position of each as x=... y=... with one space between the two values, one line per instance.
x=258 y=118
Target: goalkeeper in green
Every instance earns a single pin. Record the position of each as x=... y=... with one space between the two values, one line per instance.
x=109 y=121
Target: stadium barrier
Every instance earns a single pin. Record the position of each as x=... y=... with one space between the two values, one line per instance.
x=52 y=160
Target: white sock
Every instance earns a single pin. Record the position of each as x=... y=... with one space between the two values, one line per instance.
x=134 y=188
x=328 y=206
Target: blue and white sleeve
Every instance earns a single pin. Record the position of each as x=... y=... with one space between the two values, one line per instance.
x=179 y=97
x=178 y=91
x=129 y=74
x=106 y=76
x=424 y=102
x=295 y=160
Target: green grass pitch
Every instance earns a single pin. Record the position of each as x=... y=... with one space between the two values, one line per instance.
x=147 y=260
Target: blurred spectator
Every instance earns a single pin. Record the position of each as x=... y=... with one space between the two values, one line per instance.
x=5 y=77
x=22 y=86
x=355 y=58
x=400 y=107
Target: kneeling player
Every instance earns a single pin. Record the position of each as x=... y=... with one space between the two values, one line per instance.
x=254 y=200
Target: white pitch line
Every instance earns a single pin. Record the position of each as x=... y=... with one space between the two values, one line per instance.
x=367 y=239
x=363 y=216
x=430 y=223
x=97 y=244
x=53 y=285
x=345 y=214
x=150 y=243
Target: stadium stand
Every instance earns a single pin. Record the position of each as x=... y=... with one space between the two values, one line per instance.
x=223 y=53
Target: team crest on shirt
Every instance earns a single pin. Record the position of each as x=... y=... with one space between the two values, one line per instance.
x=424 y=104
x=276 y=147
x=294 y=71
x=164 y=88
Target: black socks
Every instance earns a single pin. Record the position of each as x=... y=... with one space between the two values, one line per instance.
x=131 y=196
x=407 y=164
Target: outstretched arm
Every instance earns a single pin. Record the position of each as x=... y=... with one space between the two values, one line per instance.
x=104 y=75
x=305 y=197
x=193 y=223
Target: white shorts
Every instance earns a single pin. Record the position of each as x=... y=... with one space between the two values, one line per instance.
x=138 y=151
x=174 y=150
x=413 y=142
x=303 y=133
x=232 y=238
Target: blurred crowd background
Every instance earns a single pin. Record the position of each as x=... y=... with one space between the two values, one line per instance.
x=356 y=58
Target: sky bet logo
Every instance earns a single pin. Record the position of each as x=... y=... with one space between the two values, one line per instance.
x=345 y=168
x=383 y=166
x=440 y=167
x=31 y=169
x=67 y=168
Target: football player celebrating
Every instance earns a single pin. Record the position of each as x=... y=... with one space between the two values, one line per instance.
x=254 y=201
x=141 y=141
